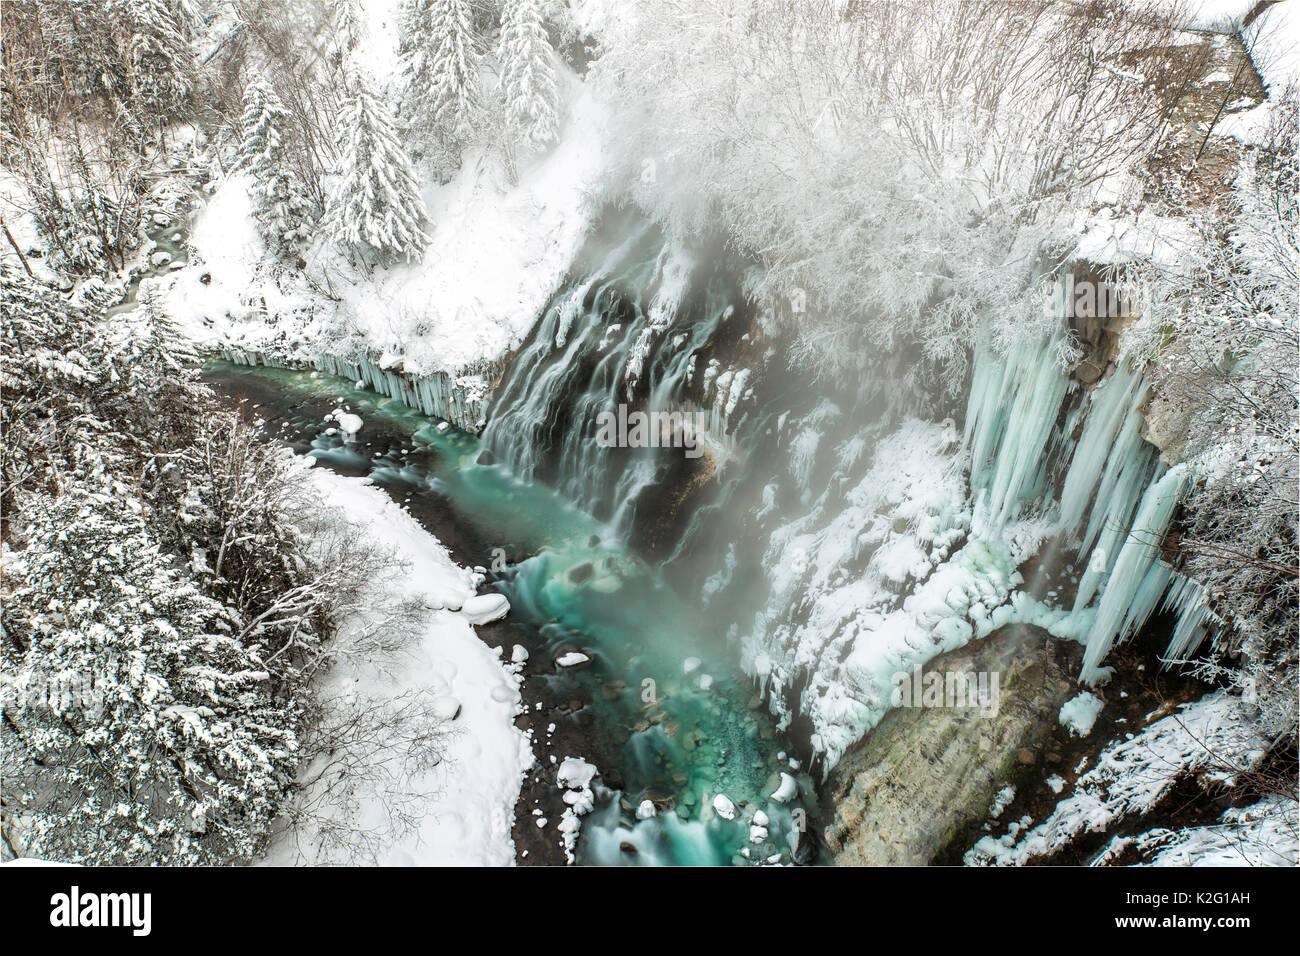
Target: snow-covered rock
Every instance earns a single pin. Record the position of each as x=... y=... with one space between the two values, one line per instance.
x=723 y=807
x=1079 y=713
x=485 y=608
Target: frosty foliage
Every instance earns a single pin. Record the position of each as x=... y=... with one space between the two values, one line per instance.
x=179 y=751
x=1224 y=342
x=160 y=65
x=909 y=166
x=166 y=595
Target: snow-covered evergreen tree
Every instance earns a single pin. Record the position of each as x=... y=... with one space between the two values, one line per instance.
x=376 y=203
x=159 y=58
x=283 y=207
x=527 y=76
x=138 y=728
x=441 y=66
x=349 y=24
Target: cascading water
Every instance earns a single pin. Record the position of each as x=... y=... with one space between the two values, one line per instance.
x=636 y=331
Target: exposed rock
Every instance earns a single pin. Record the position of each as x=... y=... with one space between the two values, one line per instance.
x=1165 y=426
x=925 y=774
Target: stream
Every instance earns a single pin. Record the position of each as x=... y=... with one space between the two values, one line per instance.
x=671 y=721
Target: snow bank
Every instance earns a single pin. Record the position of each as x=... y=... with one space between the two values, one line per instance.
x=465 y=804
x=485 y=608
x=1272 y=41
x=498 y=251
x=497 y=254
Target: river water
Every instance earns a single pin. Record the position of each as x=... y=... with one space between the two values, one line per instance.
x=673 y=719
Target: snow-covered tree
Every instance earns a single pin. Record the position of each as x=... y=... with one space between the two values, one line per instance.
x=441 y=67
x=283 y=207
x=376 y=204
x=160 y=61
x=138 y=728
x=527 y=76
x=349 y=24
x=1223 y=333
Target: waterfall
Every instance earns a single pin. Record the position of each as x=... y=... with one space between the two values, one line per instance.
x=636 y=332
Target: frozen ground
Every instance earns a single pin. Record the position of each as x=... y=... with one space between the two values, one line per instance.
x=462 y=810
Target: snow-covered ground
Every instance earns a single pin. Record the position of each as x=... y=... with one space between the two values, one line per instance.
x=1273 y=39
x=1211 y=740
x=1262 y=834
x=500 y=247
x=463 y=808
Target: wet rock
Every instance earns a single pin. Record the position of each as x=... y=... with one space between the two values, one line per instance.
x=805 y=851
x=486 y=457
x=1024 y=756
x=628 y=848
x=581 y=573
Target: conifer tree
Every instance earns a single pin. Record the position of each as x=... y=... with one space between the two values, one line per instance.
x=441 y=66
x=376 y=204
x=159 y=59
x=527 y=76
x=283 y=207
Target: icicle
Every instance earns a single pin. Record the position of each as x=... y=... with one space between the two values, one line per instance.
x=1105 y=454
x=1013 y=406
x=1130 y=581
x=1195 y=619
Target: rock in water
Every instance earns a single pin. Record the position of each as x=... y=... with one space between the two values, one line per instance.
x=723 y=807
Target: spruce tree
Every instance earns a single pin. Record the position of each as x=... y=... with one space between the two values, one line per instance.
x=527 y=76
x=283 y=207
x=376 y=204
x=349 y=25
x=441 y=67
x=160 y=63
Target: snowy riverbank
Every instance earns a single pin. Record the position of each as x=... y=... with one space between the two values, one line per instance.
x=462 y=809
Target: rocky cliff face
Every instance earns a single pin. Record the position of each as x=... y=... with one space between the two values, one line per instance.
x=925 y=776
